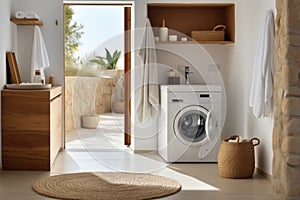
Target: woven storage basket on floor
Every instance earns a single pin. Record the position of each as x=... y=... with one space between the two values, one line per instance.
x=236 y=159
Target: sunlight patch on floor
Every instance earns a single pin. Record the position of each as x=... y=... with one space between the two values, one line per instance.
x=124 y=161
x=102 y=149
x=108 y=135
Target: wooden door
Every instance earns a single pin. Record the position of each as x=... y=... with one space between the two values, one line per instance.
x=127 y=78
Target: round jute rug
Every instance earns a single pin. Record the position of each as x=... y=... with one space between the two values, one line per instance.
x=106 y=185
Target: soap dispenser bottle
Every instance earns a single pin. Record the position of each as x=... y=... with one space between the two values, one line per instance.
x=171 y=77
x=37 y=76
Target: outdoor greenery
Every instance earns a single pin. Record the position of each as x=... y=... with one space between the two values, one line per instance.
x=83 y=66
x=73 y=33
x=109 y=62
x=71 y=71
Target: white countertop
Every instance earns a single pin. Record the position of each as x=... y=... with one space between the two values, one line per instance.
x=185 y=88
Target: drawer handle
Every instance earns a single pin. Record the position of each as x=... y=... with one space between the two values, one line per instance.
x=204 y=95
x=177 y=100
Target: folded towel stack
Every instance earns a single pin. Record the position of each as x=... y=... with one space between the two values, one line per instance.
x=31 y=15
x=20 y=15
x=26 y=15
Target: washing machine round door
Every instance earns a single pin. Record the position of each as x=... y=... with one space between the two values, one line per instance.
x=189 y=125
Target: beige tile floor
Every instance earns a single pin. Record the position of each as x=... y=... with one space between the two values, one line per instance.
x=108 y=135
x=199 y=180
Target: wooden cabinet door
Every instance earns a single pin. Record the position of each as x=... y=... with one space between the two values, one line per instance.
x=55 y=127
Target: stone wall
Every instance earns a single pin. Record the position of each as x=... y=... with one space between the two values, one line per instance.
x=286 y=132
x=86 y=95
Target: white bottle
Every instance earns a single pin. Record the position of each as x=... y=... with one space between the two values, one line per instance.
x=171 y=77
x=37 y=76
x=163 y=32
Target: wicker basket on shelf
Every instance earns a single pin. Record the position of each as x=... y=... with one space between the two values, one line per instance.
x=236 y=159
x=217 y=34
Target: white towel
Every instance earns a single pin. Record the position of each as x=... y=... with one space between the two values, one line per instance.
x=261 y=95
x=20 y=15
x=148 y=104
x=31 y=15
x=39 y=59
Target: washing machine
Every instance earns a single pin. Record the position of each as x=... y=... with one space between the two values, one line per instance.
x=189 y=123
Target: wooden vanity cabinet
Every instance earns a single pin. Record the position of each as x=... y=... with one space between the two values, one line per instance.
x=31 y=128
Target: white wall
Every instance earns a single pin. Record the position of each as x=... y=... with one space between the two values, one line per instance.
x=5 y=37
x=260 y=128
x=146 y=138
x=250 y=16
x=235 y=61
x=49 y=12
x=6 y=43
x=236 y=69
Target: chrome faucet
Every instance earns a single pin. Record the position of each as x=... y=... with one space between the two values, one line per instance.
x=186 y=74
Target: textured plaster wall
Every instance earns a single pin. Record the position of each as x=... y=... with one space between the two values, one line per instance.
x=85 y=96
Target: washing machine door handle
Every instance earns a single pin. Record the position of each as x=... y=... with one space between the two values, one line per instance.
x=210 y=124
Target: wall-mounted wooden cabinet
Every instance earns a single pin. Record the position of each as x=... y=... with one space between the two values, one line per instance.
x=186 y=18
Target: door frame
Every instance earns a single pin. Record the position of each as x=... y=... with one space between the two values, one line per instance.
x=127 y=75
x=128 y=7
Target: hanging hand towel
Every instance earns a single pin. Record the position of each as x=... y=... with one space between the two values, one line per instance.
x=261 y=95
x=39 y=59
x=148 y=104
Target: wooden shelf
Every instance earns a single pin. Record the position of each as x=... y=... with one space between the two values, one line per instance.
x=185 y=18
x=28 y=22
x=197 y=42
x=190 y=5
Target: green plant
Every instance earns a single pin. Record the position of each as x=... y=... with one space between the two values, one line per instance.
x=109 y=62
x=88 y=72
x=71 y=71
x=72 y=36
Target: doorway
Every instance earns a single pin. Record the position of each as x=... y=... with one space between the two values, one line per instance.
x=97 y=87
